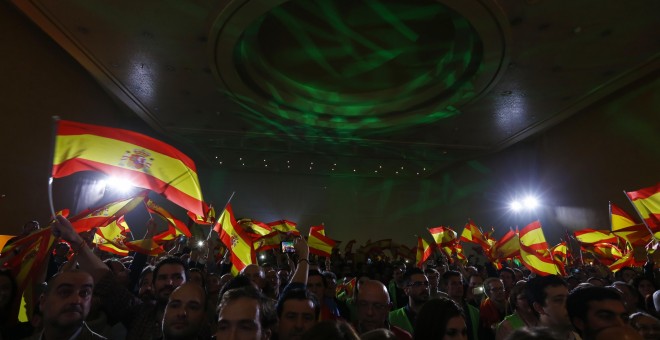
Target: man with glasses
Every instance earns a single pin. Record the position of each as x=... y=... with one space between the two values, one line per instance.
x=373 y=306
x=417 y=290
x=492 y=310
x=396 y=285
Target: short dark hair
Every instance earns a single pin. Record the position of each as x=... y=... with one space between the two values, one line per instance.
x=266 y=317
x=410 y=272
x=297 y=294
x=449 y=274
x=507 y=270
x=314 y=272
x=578 y=300
x=432 y=319
x=170 y=260
x=535 y=289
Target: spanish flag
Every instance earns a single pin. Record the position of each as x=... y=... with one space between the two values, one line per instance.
x=628 y=260
x=624 y=226
x=471 y=233
x=112 y=237
x=534 y=252
x=443 y=236
x=284 y=226
x=647 y=203
x=423 y=251
x=180 y=227
x=592 y=236
x=146 y=162
x=318 y=243
x=506 y=247
x=236 y=240
x=106 y=214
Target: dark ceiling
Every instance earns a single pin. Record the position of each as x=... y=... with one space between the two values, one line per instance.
x=380 y=88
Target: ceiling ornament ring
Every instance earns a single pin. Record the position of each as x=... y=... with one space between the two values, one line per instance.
x=358 y=65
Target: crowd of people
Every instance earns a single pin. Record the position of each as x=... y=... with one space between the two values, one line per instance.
x=185 y=295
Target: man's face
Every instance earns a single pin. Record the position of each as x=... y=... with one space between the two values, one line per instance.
x=628 y=275
x=507 y=279
x=67 y=302
x=256 y=275
x=239 y=320
x=648 y=327
x=418 y=288
x=331 y=287
x=475 y=281
x=315 y=285
x=398 y=271
x=602 y=314
x=297 y=317
x=496 y=291
x=455 y=287
x=554 y=312
x=168 y=278
x=434 y=279
x=373 y=307
x=146 y=287
x=184 y=313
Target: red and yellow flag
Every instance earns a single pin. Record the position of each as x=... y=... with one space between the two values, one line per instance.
x=268 y=242
x=647 y=204
x=592 y=236
x=423 y=251
x=144 y=161
x=102 y=216
x=236 y=240
x=181 y=228
x=112 y=237
x=471 y=233
x=534 y=252
x=147 y=246
x=318 y=243
x=284 y=226
x=624 y=226
x=443 y=236
x=628 y=260
x=506 y=247
x=207 y=219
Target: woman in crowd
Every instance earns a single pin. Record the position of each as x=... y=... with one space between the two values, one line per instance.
x=523 y=316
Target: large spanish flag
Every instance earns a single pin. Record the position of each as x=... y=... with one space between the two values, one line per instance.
x=506 y=247
x=112 y=237
x=318 y=243
x=534 y=252
x=236 y=240
x=647 y=203
x=146 y=162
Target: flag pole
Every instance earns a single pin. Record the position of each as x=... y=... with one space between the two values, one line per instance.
x=52 y=156
x=220 y=216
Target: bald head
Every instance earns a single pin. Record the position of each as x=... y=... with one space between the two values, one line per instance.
x=373 y=306
x=373 y=290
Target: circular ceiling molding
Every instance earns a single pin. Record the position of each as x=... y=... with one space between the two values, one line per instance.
x=357 y=65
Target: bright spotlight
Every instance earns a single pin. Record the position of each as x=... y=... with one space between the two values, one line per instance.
x=119 y=184
x=515 y=206
x=530 y=203
x=200 y=244
x=262 y=256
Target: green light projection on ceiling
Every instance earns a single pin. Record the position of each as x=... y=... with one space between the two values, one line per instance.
x=352 y=67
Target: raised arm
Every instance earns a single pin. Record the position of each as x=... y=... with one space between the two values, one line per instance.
x=88 y=261
x=302 y=249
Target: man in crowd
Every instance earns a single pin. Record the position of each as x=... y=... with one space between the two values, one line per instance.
x=142 y=320
x=297 y=310
x=452 y=282
x=65 y=304
x=508 y=277
x=242 y=314
x=417 y=290
x=185 y=313
x=593 y=309
x=493 y=309
x=373 y=306
x=547 y=296
x=396 y=286
x=256 y=275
